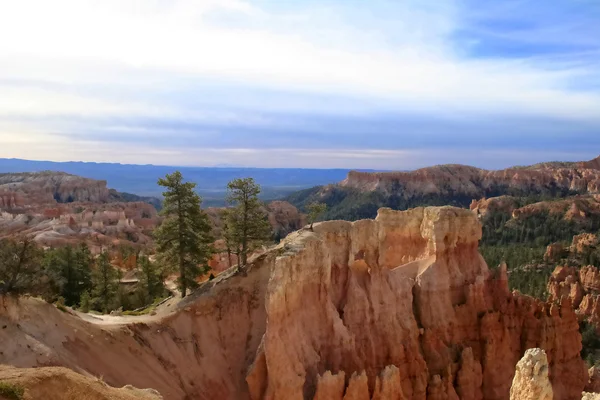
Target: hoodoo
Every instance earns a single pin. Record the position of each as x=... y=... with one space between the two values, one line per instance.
x=399 y=307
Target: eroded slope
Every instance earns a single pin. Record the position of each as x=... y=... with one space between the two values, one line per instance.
x=400 y=307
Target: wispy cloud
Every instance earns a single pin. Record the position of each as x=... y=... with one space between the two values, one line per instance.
x=216 y=74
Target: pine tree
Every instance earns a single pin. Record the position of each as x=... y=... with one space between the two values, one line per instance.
x=184 y=239
x=151 y=280
x=20 y=266
x=105 y=279
x=247 y=223
x=69 y=269
x=315 y=210
x=228 y=239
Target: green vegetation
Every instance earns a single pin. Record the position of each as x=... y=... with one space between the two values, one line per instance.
x=315 y=211
x=105 y=285
x=20 y=266
x=247 y=226
x=11 y=391
x=151 y=281
x=352 y=204
x=69 y=269
x=540 y=229
x=184 y=240
x=590 y=342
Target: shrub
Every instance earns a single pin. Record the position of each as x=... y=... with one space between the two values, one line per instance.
x=11 y=391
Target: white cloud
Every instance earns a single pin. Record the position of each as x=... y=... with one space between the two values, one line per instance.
x=187 y=38
x=65 y=64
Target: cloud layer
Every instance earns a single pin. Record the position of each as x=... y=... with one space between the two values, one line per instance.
x=382 y=85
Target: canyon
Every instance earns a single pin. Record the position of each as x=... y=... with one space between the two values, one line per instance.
x=56 y=209
x=454 y=179
x=399 y=307
x=361 y=193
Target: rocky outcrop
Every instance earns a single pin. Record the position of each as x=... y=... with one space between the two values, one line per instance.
x=494 y=204
x=593 y=384
x=463 y=180
x=581 y=286
x=361 y=193
x=531 y=380
x=36 y=188
x=554 y=252
x=400 y=307
x=581 y=243
x=58 y=209
x=63 y=384
x=97 y=224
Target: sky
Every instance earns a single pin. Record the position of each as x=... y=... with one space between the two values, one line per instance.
x=332 y=83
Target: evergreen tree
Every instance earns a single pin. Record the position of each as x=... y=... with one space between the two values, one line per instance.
x=20 y=266
x=230 y=245
x=105 y=279
x=315 y=210
x=247 y=223
x=151 y=280
x=184 y=239
x=85 y=302
x=69 y=269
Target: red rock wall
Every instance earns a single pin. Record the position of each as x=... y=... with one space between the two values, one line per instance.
x=401 y=307
x=464 y=180
x=405 y=297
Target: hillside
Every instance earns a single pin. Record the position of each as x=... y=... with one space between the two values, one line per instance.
x=402 y=306
x=362 y=193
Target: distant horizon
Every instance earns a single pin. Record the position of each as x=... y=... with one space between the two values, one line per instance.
x=329 y=84
x=530 y=161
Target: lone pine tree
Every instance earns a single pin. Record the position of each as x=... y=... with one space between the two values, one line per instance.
x=246 y=221
x=184 y=239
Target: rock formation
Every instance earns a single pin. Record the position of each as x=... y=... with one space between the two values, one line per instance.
x=457 y=180
x=574 y=208
x=531 y=380
x=581 y=286
x=400 y=307
x=47 y=187
x=63 y=384
x=58 y=209
x=361 y=193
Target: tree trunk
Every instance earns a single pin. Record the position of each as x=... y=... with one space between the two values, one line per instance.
x=182 y=278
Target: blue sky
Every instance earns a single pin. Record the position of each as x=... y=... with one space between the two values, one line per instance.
x=352 y=84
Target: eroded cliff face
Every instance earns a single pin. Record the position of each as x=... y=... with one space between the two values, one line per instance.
x=457 y=180
x=581 y=287
x=531 y=377
x=400 y=307
x=57 y=209
x=25 y=189
x=355 y=306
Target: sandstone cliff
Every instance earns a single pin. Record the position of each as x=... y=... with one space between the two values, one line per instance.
x=531 y=380
x=400 y=307
x=455 y=180
x=63 y=384
x=58 y=209
x=576 y=208
x=581 y=286
x=361 y=193
x=35 y=188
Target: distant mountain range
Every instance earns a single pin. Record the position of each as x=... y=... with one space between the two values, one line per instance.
x=211 y=181
x=361 y=194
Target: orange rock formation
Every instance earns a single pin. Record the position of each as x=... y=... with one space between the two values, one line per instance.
x=400 y=307
x=583 y=177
